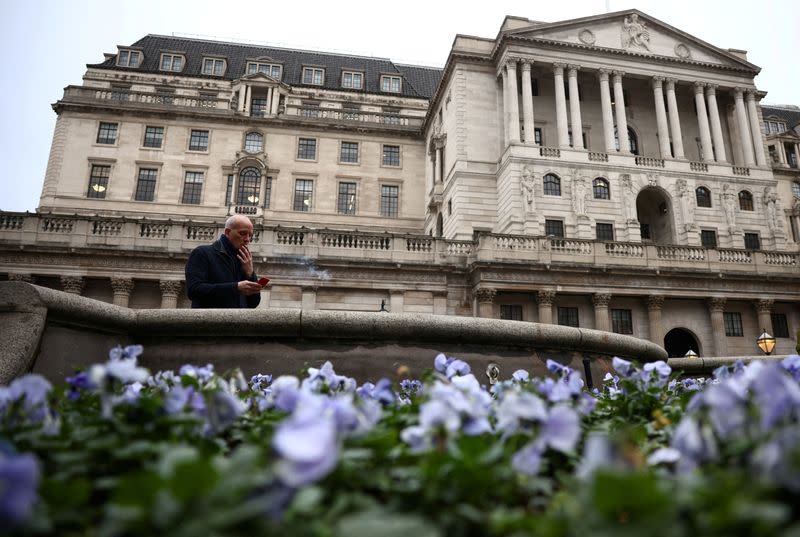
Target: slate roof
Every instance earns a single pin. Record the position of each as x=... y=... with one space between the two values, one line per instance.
x=789 y=114
x=418 y=81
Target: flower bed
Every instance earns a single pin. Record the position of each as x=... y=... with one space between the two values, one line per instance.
x=118 y=451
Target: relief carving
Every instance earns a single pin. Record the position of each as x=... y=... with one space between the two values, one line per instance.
x=634 y=33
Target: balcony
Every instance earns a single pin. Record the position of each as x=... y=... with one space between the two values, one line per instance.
x=331 y=115
x=140 y=99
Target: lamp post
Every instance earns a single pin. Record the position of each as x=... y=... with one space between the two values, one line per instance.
x=766 y=342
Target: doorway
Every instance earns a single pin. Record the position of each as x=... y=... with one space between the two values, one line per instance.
x=654 y=212
x=679 y=341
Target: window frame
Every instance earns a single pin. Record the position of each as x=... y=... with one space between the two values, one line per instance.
x=752 y=241
x=780 y=325
x=247 y=137
x=303 y=141
x=342 y=159
x=101 y=180
x=184 y=191
x=207 y=140
x=387 y=83
x=213 y=62
x=702 y=197
x=147 y=138
x=343 y=203
x=251 y=188
x=100 y=129
x=556 y=185
x=268 y=192
x=606 y=226
x=601 y=186
x=389 y=205
x=708 y=233
x=384 y=164
x=549 y=223
x=622 y=321
x=299 y=196
x=312 y=79
x=352 y=75
x=511 y=312
x=746 y=201
x=172 y=56
x=796 y=189
x=269 y=67
x=564 y=316
x=732 y=321
x=139 y=179
x=129 y=54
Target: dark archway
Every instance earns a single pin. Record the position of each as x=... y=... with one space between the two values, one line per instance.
x=679 y=341
x=653 y=210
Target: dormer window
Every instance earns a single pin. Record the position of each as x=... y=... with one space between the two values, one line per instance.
x=213 y=66
x=774 y=127
x=129 y=58
x=314 y=76
x=391 y=84
x=172 y=62
x=352 y=80
x=270 y=69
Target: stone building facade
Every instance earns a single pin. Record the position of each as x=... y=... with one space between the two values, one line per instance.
x=608 y=172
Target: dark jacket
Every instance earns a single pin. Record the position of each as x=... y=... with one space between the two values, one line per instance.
x=212 y=275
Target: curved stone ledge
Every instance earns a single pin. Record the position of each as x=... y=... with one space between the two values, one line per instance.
x=700 y=366
x=53 y=333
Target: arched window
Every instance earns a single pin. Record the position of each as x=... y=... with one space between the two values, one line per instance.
x=601 y=190
x=249 y=186
x=633 y=141
x=552 y=185
x=796 y=189
x=703 y=196
x=745 y=201
x=253 y=142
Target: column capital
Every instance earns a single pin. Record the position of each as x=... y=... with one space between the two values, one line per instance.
x=716 y=303
x=526 y=65
x=511 y=63
x=545 y=297
x=573 y=68
x=558 y=68
x=711 y=89
x=601 y=300
x=657 y=81
x=27 y=278
x=602 y=74
x=764 y=305
x=485 y=295
x=618 y=73
x=122 y=286
x=738 y=92
x=655 y=302
x=750 y=94
x=72 y=284
x=699 y=87
x=170 y=288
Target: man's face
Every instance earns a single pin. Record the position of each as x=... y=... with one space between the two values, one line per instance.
x=240 y=234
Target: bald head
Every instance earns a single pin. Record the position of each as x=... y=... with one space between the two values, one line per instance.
x=236 y=221
x=239 y=230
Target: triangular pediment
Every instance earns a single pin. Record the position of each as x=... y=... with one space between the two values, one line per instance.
x=259 y=77
x=632 y=32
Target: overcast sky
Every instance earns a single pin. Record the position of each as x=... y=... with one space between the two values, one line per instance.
x=46 y=44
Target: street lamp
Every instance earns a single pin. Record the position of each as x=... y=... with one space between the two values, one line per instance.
x=690 y=354
x=766 y=343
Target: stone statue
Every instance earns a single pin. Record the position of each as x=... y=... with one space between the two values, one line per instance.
x=634 y=33
x=687 y=207
x=628 y=199
x=729 y=206
x=773 y=204
x=527 y=183
x=579 y=193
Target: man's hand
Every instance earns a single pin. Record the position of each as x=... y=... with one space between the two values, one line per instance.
x=247 y=288
x=246 y=259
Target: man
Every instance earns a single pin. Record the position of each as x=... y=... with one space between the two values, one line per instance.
x=221 y=275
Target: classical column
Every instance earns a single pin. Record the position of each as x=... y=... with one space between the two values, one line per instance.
x=121 y=287
x=755 y=128
x=654 y=305
x=608 y=115
x=170 y=289
x=309 y=298
x=674 y=120
x=601 y=320
x=545 y=299
x=485 y=302
x=561 y=105
x=575 y=108
x=506 y=115
x=661 y=117
x=619 y=109
x=716 y=306
x=527 y=103
x=744 y=127
x=513 y=99
x=764 y=311
x=702 y=122
x=27 y=278
x=72 y=284
x=716 y=125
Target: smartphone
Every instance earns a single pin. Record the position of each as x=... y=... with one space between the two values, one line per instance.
x=263 y=281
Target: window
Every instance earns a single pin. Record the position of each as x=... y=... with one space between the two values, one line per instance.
x=347 y=198
x=303 y=190
x=780 y=328
x=511 y=312
x=107 y=133
x=390 y=84
x=644 y=230
x=751 y=241
x=796 y=189
x=389 y=200
x=192 y=188
x=129 y=58
x=229 y=190
x=745 y=201
x=568 y=317
x=633 y=141
x=253 y=142
x=554 y=228
x=391 y=155
x=153 y=137
x=621 y=321
x=352 y=80
x=348 y=152
x=703 y=196
x=268 y=193
x=307 y=149
x=708 y=238
x=774 y=127
x=552 y=185
x=213 y=66
x=605 y=232
x=270 y=69
x=537 y=136
x=258 y=107
x=171 y=62
x=601 y=189
x=313 y=75
x=98 y=181
x=733 y=324
x=198 y=141
x=583 y=137
x=146 y=184
x=249 y=185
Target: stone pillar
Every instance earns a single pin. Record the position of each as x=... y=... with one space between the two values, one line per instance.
x=437 y=163
x=242 y=98
x=122 y=288
x=661 y=117
x=485 y=302
x=276 y=101
x=309 y=297
x=744 y=127
x=545 y=298
x=608 y=115
x=170 y=289
x=601 y=319
x=654 y=305
x=716 y=125
x=619 y=109
x=716 y=306
x=396 y=301
x=702 y=123
x=506 y=104
x=575 y=108
x=72 y=284
x=561 y=105
x=764 y=311
x=755 y=129
x=27 y=278
x=674 y=120
x=513 y=101
x=527 y=103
